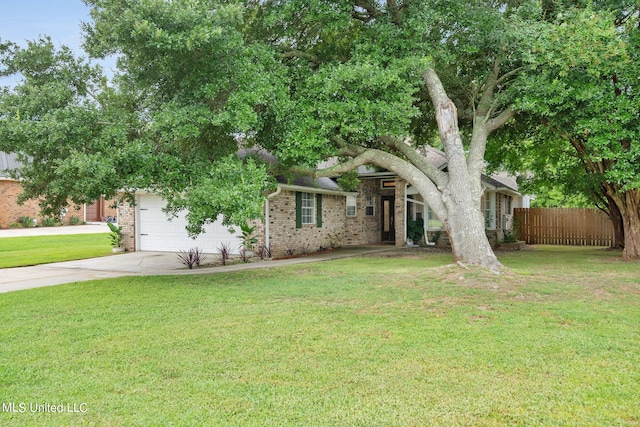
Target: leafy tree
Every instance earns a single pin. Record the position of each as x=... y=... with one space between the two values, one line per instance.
x=188 y=86
x=582 y=100
x=371 y=82
x=374 y=82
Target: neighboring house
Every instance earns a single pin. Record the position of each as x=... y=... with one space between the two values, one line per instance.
x=10 y=189
x=307 y=214
x=11 y=211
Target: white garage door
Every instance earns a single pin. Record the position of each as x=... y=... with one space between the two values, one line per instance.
x=157 y=233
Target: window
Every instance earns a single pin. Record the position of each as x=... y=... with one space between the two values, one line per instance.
x=488 y=206
x=307 y=208
x=387 y=183
x=351 y=205
x=433 y=222
x=369 y=206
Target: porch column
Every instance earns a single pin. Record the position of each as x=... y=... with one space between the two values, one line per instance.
x=400 y=212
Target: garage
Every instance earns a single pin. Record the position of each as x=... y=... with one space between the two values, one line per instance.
x=157 y=233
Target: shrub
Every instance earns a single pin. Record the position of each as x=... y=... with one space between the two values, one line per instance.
x=193 y=256
x=510 y=236
x=263 y=252
x=115 y=235
x=334 y=241
x=248 y=241
x=436 y=236
x=245 y=255
x=26 y=221
x=415 y=230
x=15 y=225
x=74 y=220
x=50 y=222
x=225 y=252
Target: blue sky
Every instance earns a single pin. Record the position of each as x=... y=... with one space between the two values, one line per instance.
x=22 y=20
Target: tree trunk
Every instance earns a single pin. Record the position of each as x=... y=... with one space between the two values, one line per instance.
x=466 y=229
x=465 y=223
x=630 y=210
x=616 y=221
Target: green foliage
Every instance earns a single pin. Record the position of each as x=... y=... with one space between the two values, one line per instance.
x=189 y=92
x=349 y=181
x=247 y=237
x=415 y=229
x=51 y=221
x=436 y=236
x=511 y=236
x=26 y=221
x=115 y=236
x=584 y=91
x=74 y=220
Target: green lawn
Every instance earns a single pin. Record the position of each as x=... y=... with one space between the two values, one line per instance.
x=33 y=250
x=359 y=342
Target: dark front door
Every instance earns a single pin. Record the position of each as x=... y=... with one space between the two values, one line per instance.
x=388 y=219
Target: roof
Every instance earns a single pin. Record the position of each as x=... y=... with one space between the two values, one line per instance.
x=499 y=180
x=502 y=180
x=8 y=162
x=309 y=182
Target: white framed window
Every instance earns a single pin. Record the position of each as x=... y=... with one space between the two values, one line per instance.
x=488 y=206
x=369 y=206
x=308 y=208
x=351 y=205
x=433 y=222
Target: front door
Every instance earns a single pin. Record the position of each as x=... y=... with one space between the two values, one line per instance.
x=388 y=219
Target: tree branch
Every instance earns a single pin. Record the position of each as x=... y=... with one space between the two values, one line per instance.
x=440 y=178
x=371 y=10
x=400 y=167
x=500 y=119
x=289 y=52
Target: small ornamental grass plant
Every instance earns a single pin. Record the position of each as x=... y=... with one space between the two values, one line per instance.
x=191 y=257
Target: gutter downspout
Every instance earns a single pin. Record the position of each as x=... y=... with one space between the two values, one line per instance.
x=267 y=242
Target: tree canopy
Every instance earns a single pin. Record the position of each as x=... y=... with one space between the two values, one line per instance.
x=367 y=82
x=581 y=108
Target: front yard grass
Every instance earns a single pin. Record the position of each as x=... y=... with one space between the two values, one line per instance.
x=34 y=250
x=360 y=342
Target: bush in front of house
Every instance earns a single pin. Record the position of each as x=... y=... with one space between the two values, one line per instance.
x=26 y=222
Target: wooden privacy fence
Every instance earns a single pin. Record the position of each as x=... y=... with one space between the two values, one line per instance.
x=570 y=226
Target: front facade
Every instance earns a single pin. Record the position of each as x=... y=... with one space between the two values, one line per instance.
x=307 y=216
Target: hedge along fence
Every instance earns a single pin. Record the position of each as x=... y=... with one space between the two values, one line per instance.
x=564 y=226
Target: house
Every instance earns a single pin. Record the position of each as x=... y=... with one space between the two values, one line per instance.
x=308 y=214
x=11 y=211
x=10 y=189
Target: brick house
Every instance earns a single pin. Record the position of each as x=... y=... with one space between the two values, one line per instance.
x=305 y=215
x=11 y=188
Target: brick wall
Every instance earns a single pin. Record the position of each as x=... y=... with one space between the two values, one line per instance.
x=127 y=220
x=10 y=210
x=282 y=224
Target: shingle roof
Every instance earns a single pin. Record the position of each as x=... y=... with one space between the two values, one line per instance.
x=299 y=180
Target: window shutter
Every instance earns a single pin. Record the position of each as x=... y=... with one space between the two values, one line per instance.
x=298 y=209
x=319 y=210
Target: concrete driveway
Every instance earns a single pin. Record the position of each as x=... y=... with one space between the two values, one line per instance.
x=145 y=264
